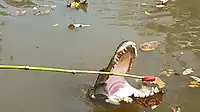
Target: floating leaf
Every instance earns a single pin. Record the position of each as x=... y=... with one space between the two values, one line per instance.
x=159 y=82
x=147 y=12
x=56 y=25
x=75 y=4
x=149 y=46
x=188 y=71
x=194 y=84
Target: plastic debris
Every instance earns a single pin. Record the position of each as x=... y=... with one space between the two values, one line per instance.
x=20 y=12
x=188 y=71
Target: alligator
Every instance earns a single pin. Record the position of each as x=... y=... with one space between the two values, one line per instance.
x=110 y=90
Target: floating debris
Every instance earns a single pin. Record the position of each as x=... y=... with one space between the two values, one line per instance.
x=176 y=109
x=159 y=82
x=194 y=84
x=72 y=26
x=195 y=78
x=149 y=46
x=20 y=12
x=55 y=25
x=77 y=4
x=34 y=8
x=160 y=6
x=188 y=71
x=53 y=7
x=147 y=12
x=42 y=12
x=168 y=73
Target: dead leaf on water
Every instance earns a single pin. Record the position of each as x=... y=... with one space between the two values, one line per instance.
x=147 y=12
x=159 y=82
x=168 y=73
x=149 y=46
x=194 y=84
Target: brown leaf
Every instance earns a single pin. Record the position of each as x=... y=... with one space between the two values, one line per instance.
x=159 y=82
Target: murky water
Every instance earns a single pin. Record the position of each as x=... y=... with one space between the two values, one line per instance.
x=33 y=40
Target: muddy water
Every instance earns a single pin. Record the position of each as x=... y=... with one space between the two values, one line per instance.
x=33 y=40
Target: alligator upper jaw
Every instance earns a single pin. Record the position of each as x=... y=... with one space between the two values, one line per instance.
x=123 y=57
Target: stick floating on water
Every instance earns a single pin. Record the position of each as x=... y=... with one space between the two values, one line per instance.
x=26 y=67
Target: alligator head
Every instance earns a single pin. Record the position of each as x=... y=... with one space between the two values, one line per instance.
x=113 y=90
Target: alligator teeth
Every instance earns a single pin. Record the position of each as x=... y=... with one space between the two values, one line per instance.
x=156 y=90
x=126 y=49
x=147 y=93
x=123 y=51
x=151 y=93
x=154 y=106
x=117 y=59
x=115 y=65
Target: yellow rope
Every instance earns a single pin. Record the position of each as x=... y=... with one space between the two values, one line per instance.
x=23 y=67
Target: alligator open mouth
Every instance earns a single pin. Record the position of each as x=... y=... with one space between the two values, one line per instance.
x=114 y=89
